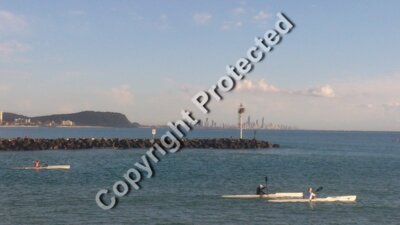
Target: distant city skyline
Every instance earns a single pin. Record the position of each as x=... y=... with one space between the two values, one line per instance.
x=337 y=70
x=205 y=122
x=249 y=124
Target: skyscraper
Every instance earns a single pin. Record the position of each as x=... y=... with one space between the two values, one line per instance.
x=1 y=117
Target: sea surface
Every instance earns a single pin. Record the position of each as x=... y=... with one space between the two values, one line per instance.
x=188 y=185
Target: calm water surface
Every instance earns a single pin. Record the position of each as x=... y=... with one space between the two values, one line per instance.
x=188 y=184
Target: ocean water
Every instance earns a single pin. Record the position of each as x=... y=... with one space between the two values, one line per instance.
x=188 y=185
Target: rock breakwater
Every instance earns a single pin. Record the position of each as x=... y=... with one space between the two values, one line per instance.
x=22 y=144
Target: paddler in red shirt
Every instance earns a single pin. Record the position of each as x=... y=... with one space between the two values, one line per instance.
x=36 y=164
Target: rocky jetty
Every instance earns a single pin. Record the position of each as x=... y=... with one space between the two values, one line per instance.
x=21 y=144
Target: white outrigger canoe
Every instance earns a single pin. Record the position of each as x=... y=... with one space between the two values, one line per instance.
x=348 y=198
x=49 y=167
x=272 y=195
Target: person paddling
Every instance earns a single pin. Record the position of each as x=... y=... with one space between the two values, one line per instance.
x=260 y=189
x=310 y=194
x=36 y=163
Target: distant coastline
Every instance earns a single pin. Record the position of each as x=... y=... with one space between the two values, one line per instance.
x=76 y=120
x=37 y=126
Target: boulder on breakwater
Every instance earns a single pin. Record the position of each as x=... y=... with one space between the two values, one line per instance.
x=23 y=144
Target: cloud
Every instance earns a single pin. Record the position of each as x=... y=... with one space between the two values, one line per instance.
x=202 y=18
x=10 y=48
x=10 y=22
x=260 y=86
x=324 y=91
x=122 y=95
x=231 y=25
x=262 y=15
x=263 y=86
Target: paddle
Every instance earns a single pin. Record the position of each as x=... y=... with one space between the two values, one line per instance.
x=266 y=182
x=319 y=189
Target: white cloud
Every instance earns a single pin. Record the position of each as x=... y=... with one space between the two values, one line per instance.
x=324 y=91
x=231 y=25
x=202 y=18
x=262 y=15
x=10 y=22
x=122 y=95
x=260 y=86
x=263 y=86
x=10 y=48
x=348 y=110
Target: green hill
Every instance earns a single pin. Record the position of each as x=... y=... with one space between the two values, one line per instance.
x=85 y=118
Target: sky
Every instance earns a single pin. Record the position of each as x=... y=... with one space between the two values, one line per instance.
x=337 y=70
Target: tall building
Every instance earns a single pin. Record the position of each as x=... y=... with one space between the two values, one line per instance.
x=262 y=123
x=1 y=117
x=248 y=122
